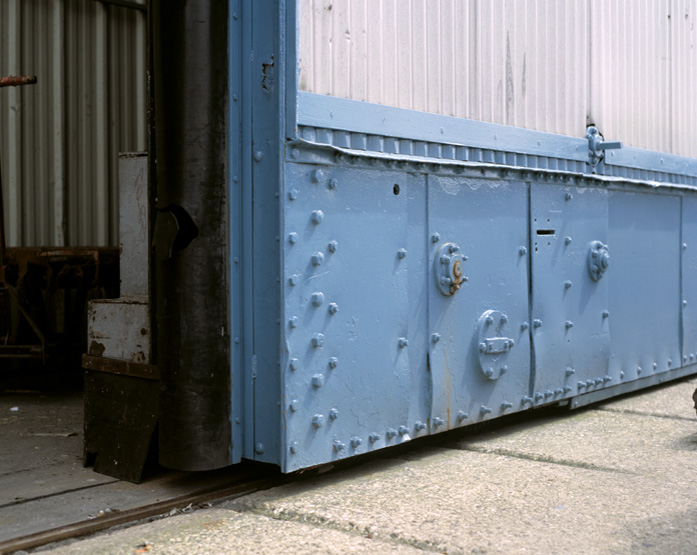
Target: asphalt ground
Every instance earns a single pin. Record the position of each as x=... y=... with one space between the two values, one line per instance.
x=616 y=477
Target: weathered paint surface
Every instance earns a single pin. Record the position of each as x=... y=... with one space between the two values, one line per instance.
x=628 y=67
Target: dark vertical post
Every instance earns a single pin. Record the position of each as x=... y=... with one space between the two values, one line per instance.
x=190 y=59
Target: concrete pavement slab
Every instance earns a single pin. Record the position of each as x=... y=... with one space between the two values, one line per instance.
x=672 y=400
x=223 y=531
x=627 y=442
x=454 y=501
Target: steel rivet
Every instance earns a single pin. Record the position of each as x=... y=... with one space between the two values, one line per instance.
x=489 y=372
x=403 y=430
x=567 y=389
x=318 y=380
x=258 y=155
x=317 y=259
x=568 y=284
x=333 y=308
x=569 y=196
x=670 y=362
x=294 y=447
x=537 y=323
x=339 y=446
x=293 y=322
x=506 y=405
x=401 y=253
x=435 y=237
x=503 y=319
x=317 y=175
x=333 y=414
x=317 y=298
x=548 y=393
x=524 y=326
x=318 y=420
x=489 y=320
x=655 y=365
x=295 y=153
x=484 y=410
x=403 y=342
x=638 y=370
x=504 y=368
x=684 y=246
x=294 y=279
x=333 y=183
x=461 y=415
x=437 y=422
x=373 y=437
x=294 y=364
x=692 y=356
x=418 y=426
x=356 y=442
x=435 y=337
x=684 y=358
x=569 y=324
x=293 y=194
x=317 y=216
x=522 y=251
x=607 y=378
x=445 y=280
x=581 y=385
x=539 y=396
x=294 y=405
x=333 y=362
x=606 y=313
x=570 y=371
x=511 y=343
x=525 y=400
x=684 y=303
x=317 y=340
x=391 y=433
x=292 y=238
x=259 y=448
x=482 y=347
x=333 y=245
x=621 y=374
x=567 y=240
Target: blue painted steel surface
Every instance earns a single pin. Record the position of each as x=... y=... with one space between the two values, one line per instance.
x=571 y=325
x=353 y=224
x=644 y=289
x=346 y=312
x=689 y=279
x=488 y=219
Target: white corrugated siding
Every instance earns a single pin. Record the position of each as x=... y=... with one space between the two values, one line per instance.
x=548 y=65
x=60 y=138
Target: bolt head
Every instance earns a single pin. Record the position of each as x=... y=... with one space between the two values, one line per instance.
x=333 y=414
x=333 y=184
x=294 y=280
x=437 y=422
x=373 y=437
x=402 y=253
x=318 y=380
x=418 y=426
x=461 y=416
x=293 y=194
x=259 y=448
x=391 y=433
x=293 y=238
x=333 y=362
x=333 y=308
x=522 y=251
x=294 y=405
x=294 y=364
x=293 y=322
x=403 y=430
x=435 y=338
x=317 y=217
x=317 y=340
x=318 y=420
x=356 y=442
x=317 y=298
x=435 y=237
x=339 y=446
x=294 y=447
x=317 y=175
x=317 y=259
x=403 y=342
x=333 y=245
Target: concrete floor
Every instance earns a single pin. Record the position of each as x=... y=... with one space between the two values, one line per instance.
x=619 y=477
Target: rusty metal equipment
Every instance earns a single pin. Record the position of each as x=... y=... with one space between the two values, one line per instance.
x=44 y=290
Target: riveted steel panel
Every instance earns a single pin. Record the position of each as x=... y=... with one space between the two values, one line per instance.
x=345 y=312
x=488 y=220
x=644 y=284
x=689 y=280
x=570 y=317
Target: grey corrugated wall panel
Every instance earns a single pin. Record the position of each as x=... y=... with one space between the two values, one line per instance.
x=60 y=138
x=628 y=66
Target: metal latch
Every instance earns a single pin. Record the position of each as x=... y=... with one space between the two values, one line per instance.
x=597 y=146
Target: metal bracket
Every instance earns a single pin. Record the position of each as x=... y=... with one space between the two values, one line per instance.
x=597 y=146
x=447 y=266
x=598 y=260
x=493 y=345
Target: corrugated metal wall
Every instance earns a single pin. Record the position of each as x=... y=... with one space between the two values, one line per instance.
x=60 y=138
x=628 y=66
